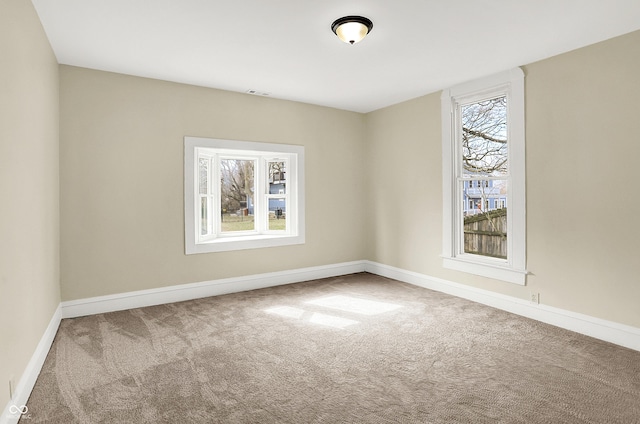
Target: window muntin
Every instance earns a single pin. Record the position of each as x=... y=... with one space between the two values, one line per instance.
x=483 y=177
x=229 y=208
x=242 y=195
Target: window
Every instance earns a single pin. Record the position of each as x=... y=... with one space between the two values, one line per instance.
x=483 y=148
x=242 y=195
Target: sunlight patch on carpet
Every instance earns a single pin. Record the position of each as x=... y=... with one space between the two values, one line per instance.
x=311 y=317
x=331 y=321
x=286 y=311
x=355 y=305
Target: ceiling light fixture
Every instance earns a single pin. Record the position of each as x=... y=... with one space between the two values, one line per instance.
x=352 y=29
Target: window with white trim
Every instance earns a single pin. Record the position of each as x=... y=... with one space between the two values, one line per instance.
x=483 y=140
x=242 y=195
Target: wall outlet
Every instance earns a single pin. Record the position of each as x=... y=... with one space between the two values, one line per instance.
x=534 y=297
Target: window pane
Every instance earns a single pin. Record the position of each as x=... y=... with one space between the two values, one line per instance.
x=485 y=217
x=203 y=172
x=237 y=194
x=484 y=137
x=203 y=216
x=277 y=214
x=277 y=180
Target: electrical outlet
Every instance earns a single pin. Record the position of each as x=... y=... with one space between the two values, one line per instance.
x=535 y=298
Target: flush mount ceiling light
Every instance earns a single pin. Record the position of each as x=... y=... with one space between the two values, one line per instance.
x=352 y=29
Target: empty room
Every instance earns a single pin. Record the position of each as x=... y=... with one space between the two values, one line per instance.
x=319 y=212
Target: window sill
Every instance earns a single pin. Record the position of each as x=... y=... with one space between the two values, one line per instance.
x=497 y=270
x=243 y=242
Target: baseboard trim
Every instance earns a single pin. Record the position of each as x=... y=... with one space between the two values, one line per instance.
x=182 y=292
x=30 y=375
x=613 y=332
x=609 y=331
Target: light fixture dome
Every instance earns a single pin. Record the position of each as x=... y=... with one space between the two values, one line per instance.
x=352 y=29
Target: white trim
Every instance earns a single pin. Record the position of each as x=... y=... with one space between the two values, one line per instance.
x=182 y=292
x=31 y=372
x=609 y=331
x=487 y=269
x=511 y=84
x=295 y=233
x=613 y=332
x=620 y=334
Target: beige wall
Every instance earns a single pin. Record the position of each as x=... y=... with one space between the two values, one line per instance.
x=582 y=156
x=121 y=179
x=121 y=159
x=106 y=216
x=29 y=208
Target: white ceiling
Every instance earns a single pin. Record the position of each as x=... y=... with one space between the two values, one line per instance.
x=286 y=47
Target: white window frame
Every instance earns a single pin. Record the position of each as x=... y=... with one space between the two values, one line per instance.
x=512 y=269
x=261 y=236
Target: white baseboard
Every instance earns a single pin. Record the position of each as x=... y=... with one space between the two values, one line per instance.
x=620 y=334
x=23 y=389
x=179 y=293
x=609 y=331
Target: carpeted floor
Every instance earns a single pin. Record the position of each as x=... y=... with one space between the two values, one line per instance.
x=352 y=349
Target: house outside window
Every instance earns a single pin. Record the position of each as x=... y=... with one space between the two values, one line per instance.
x=483 y=146
x=242 y=195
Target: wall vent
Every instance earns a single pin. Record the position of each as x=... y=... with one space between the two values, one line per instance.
x=257 y=93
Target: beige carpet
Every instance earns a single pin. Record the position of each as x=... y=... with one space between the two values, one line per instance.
x=353 y=349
